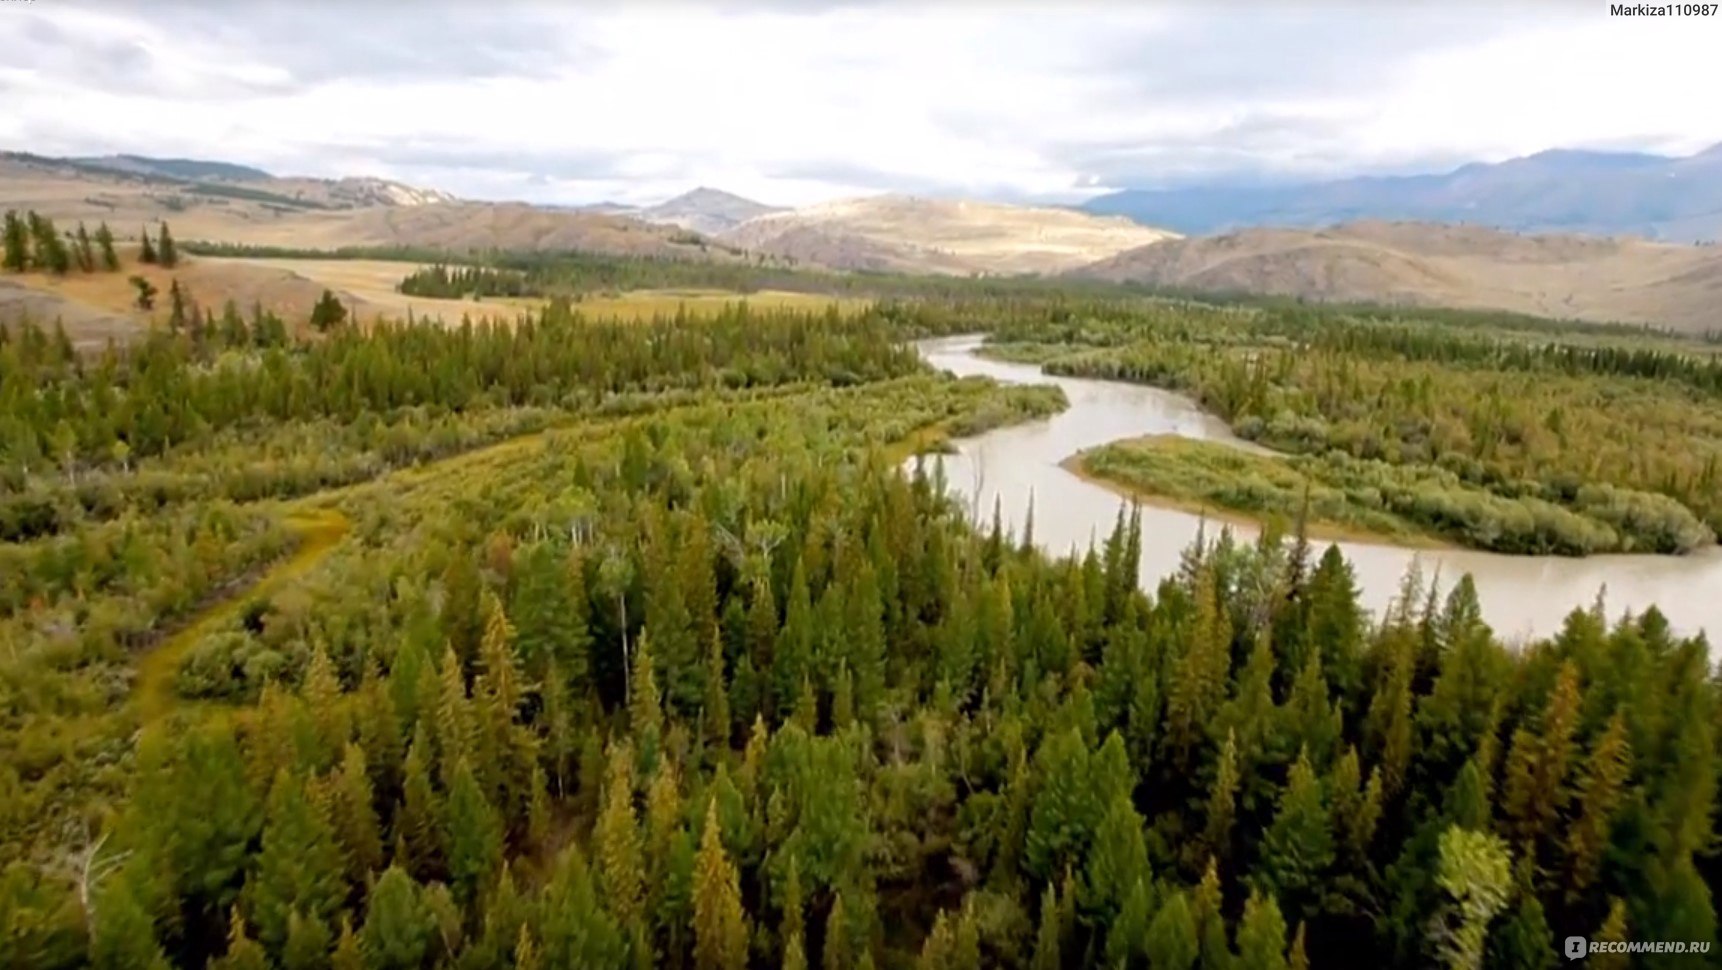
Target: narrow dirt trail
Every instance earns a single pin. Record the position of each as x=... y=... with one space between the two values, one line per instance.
x=319 y=530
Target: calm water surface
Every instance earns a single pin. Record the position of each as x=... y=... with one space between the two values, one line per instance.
x=1522 y=596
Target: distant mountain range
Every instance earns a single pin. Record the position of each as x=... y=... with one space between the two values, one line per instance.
x=190 y=169
x=703 y=210
x=225 y=180
x=1595 y=193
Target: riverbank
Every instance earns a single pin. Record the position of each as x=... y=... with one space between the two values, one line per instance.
x=1164 y=488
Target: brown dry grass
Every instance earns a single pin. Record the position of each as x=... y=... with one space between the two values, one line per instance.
x=1425 y=264
x=935 y=235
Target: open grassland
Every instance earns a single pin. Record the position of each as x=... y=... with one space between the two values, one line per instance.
x=372 y=282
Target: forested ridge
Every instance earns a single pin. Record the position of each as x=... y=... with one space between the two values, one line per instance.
x=642 y=650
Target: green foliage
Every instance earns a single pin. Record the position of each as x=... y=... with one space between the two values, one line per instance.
x=462 y=282
x=298 y=869
x=1496 y=438
x=1474 y=873
x=433 y=618
x=399 y=926
x=166 y=253
x=328 y=312
x=15 y=256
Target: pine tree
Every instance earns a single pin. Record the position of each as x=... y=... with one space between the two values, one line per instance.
x=1199 y=678
x=349 y=953
x=1599 y=793
x=308 y=943
x=1210 y=924
x=505 y=748
x=123 y=934
x=417 y=828
x=1613 y=930
x=576 y=930
x=321 y=689
x=105 y=242
x=1261 y=935
x=456 y=734
x=1066 y=810
x=1522 y=941
x=792 y=652
x=1537 y=763
x=17 y=243
x=300 y=866
x=215 y=817
x=1127 y=938
x=1474 y=872
x=1171 y=941
x=1222 y=800
x=1297 y=850
x=526 y=951
x=953 y=944
x=1046 y=939
x=146 y=250
x=167 y=254
x=794 y=951
x=1118 y=860
x=645 y=706
x=550 y=613
x=49 y=249
x=243 y=953
x=83 y=253
x=714 y=712
x=462 y=622
x=720 y=933
x=399 y=926
x=176 y=314
x=616 y=839
x=472 y=833
x=355 y=817
x=538 y=811
x=663 y=822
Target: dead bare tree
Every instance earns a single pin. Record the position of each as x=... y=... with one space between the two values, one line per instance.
x=84 y=866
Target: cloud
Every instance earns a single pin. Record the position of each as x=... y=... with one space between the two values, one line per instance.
x=794 y=102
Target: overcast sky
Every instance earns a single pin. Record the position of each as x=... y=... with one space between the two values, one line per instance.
x=795 y=102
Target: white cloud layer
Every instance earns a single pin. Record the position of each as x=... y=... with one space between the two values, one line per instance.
x=793 y=103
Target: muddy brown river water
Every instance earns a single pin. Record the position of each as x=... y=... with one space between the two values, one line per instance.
x=1522 y=596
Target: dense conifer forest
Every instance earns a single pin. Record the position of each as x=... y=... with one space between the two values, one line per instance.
x=558 y=642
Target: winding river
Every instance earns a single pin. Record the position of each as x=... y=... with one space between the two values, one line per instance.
x=1522 y=596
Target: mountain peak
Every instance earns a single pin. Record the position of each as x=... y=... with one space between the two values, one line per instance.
x=705 y=209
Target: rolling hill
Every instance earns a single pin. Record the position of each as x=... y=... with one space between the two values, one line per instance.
x=226 y=204
x=703 y=210
x=910 y=234
x=1599 y=193
x=1422 y=264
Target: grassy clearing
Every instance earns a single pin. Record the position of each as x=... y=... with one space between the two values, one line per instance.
x=373 y=282
x=645 y=304
x=318 y=531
